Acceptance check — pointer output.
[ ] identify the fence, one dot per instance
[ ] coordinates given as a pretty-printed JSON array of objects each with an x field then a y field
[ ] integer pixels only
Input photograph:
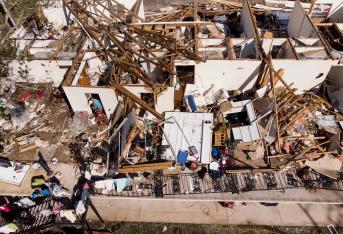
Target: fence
[
  {"x": 32, "y": 219},
  {"x": 178, "y": 184}
]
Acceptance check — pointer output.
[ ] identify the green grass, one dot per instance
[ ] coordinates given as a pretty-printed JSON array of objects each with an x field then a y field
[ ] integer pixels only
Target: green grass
[{"x": 149, "y": 228}]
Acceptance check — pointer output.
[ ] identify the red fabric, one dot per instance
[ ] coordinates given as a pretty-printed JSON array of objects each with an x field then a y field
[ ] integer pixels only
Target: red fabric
[
  {"x": 26, "y": 96},
  {"x": 230, "y": 205},
  {"x": 99, "y": 114},
  {"x": 40, "y": 93}
]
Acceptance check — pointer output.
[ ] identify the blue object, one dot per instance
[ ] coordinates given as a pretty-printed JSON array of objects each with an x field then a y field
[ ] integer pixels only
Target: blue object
[
  {"x": 84, "y": 194},
  {"x": 214, "y": 152},
  {"x": 121, "y": 184},
  {"x": 192, "y": 103},
  {"x": 182, "y": 157},
  {"x": 40, "y": 193},
  {"x": 45, "y": 192},
  {"x": 283, "y": 19},
  {"x": 97, "y": 104},
  {"x": 35, "y": 194}
]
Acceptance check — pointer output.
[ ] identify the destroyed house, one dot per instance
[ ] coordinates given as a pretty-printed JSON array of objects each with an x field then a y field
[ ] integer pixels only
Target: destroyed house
[
  {"x": 211, "y": 97},
  {"x": 215, "y": 58}
]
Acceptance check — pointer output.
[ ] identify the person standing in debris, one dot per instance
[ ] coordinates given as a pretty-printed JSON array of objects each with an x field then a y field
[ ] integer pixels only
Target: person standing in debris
[{"x": 96, "y": 105}]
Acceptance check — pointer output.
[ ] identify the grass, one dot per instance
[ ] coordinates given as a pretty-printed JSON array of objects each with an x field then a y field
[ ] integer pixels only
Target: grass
[{"x": 149, "y": 228}]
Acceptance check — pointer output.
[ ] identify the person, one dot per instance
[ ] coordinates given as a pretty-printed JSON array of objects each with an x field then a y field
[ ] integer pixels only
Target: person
[{"x": 96, "y": 104}]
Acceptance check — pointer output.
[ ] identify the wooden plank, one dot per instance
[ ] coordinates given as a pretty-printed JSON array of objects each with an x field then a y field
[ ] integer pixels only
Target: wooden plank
[
  {"x": 302, "y": 153},
  {"x": 271, "y": 79},
  {"x": 136, "y": 10},
  {"x": 27, "y": 147},
  {"x": 239, "y": 155},
  {"x": 136, "y": 99},
  {"x": 175, "y": 23},
  {"x": 313, "y": 2},
  {"x": 239, "y": 171},
  {"x": 145, "y": 167},
  {"x": 278, "y": 76},
  {"x": 228, "y": 3},
  {"x": 196, "y": 29},
  {"x": 230, "y": 50}
]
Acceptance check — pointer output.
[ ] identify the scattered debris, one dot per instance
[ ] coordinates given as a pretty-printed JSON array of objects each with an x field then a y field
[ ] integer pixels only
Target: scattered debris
[{"x": 135, "y": 101}]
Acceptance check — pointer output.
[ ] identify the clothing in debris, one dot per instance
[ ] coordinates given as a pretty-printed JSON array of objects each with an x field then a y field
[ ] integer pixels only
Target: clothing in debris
[
  {"x": 57, "y": 207},
  {"x": 25, "y": 202},
  {"x": 8, "y": 228},
  {"x": 69, "y": 215},
  {"x": 80, "y": 208},
  {"x": 85, "y": 192},
  {"x": 105, "y": 185},
  {"x": 121, "y": 184}
]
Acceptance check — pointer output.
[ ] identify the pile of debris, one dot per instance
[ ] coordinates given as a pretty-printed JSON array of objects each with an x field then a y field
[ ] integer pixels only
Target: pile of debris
[
  {"x": 270, "y": 126},
  {"x": 209, "y": 89}
]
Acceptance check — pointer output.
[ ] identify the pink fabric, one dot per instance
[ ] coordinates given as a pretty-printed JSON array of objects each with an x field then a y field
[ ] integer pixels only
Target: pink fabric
[
  {"x": 40, "y": 93},
  {"x": 85, "y": 186},
  {"x": 58, "y": 207},
  {"x": 5, "y": 209}
]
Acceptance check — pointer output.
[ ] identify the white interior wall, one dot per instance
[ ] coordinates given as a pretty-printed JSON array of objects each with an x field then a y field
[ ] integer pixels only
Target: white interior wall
[
  {"x": 312, "y": 49},
  {"x": 235, "y": 74},
  {"x": 165, "y": 100},
  {"x": 299, "y": 24},
  {"x": 303, "y": 73},
  {"x": 267, "y": 44},
  {"x": 211, "y": 42},
  {"x": 246, "y": 21},
  {"x": 78, "y": 100},
  {"x": 57, "y": 14},
  {"x": 207, "y": 42},
  {"x": 87, "y": 57},
  {"x": 209, "y": 49},
  {"x": 310, "y": 41},
  {"x": 227, "y": 74},
  {"x": 40, "y": 48},
  {"x": 248, "y": 49},
  {"x": 38, "y": 71}
]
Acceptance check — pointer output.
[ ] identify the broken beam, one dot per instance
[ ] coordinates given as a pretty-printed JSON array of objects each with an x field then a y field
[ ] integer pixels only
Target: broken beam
[
  {"x": 177, "y": 23},
  {"x": 136, "y": 99},
  {"x": 145, "y": 167}
]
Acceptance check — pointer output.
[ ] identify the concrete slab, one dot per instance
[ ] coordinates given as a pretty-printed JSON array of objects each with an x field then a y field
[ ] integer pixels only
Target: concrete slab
[
  {"x": 173, "y": 211},
  {"x": 68, "y": 180}
]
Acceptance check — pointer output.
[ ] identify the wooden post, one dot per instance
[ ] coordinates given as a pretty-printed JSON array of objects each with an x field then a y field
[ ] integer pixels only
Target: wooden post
[
  {"x": 313, "y": 3},
  {"x": 230, "y": 50},
  {"x": 278, "y": 76},
  {"x": 137, "y": 100},
  {"x": 196, "y": 30},
  {"x": 271, "y": 79}
]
